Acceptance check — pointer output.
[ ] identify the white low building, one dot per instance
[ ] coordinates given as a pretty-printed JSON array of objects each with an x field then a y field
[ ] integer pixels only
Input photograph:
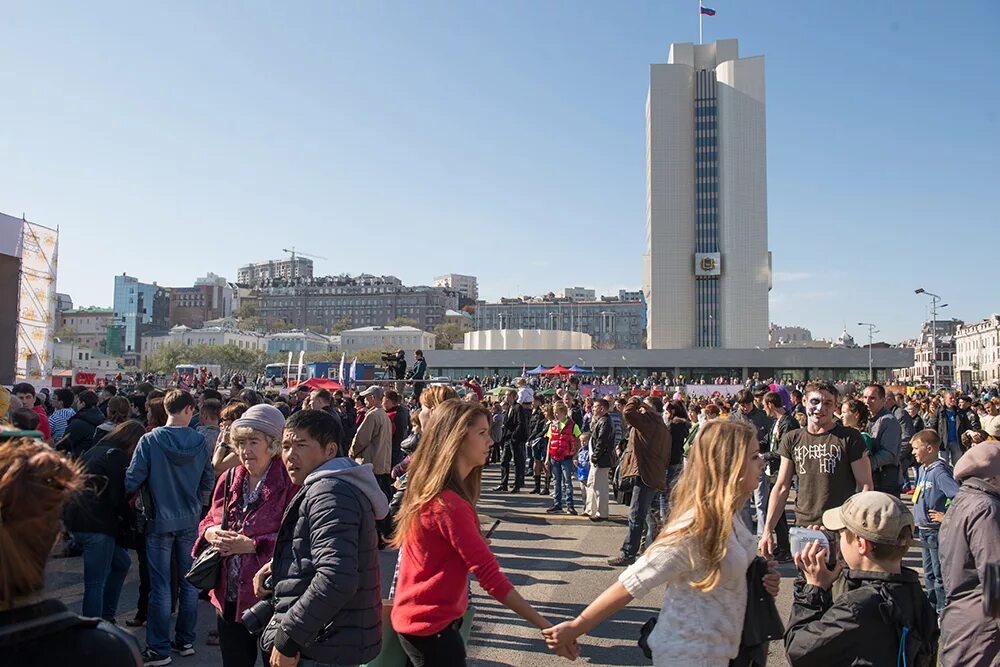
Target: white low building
[
  {"x": 527, "y": 339},
  {"x": 301, "y": 341},
  {"x": 223, "y": 333},
  {"x": 977, "y": 353},
  {"x": 407, "y": 339}
]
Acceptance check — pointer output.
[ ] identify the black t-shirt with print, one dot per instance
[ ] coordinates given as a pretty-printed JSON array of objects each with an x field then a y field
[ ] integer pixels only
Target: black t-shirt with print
[{"x": 823, "y": 464}]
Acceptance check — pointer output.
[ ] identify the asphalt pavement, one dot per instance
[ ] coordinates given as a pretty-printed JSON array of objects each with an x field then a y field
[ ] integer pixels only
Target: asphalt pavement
[{"x": 557, "y": 562}]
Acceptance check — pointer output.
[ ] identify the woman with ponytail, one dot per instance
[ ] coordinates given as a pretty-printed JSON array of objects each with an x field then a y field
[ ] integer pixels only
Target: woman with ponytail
[{"x": 702, "y": 555}]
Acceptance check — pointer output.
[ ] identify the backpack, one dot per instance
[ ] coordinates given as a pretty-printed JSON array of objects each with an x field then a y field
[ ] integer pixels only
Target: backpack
[{"x": 914, "y": 649}]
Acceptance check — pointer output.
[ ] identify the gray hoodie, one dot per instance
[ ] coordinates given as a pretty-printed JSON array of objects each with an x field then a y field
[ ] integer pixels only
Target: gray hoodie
[{"x": 361, "y": 476}]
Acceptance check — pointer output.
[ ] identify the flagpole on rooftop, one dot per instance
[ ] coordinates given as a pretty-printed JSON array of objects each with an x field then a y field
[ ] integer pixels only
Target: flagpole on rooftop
[{"x": 701, "y": 18}]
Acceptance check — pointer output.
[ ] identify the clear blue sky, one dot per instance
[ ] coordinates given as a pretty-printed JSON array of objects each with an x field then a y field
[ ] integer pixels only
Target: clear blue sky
[{"x": 501, "y": 139}]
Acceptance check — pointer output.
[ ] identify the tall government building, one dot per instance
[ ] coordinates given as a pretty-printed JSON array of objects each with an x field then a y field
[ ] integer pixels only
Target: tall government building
[{"x": 707, "y": 268}]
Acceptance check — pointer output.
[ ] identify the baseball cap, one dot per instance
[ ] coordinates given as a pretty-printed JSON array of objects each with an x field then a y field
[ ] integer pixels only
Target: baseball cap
[
  {"x": 873, "y": 515},
  {"x": 372, "y": 391}
]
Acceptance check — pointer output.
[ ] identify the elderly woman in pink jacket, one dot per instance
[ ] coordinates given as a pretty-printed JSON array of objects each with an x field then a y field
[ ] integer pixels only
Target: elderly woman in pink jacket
[{"x": 259, "y": 491}]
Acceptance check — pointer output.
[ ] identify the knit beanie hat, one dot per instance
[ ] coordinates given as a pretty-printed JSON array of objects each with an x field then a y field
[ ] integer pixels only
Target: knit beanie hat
[{"x": 264, "y": 418}]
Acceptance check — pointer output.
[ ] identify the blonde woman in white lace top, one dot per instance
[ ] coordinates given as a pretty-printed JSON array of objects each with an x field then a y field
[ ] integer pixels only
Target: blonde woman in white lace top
[{"x": 701, "y": 556}]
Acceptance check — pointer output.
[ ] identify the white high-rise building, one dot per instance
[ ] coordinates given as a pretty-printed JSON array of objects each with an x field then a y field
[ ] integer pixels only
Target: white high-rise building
[
  {"x": 707, "y": 268},
  {"x": 467, "y": 286}
]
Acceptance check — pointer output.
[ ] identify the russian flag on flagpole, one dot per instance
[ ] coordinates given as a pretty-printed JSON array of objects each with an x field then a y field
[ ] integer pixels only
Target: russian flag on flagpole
[{"x": 707, "y": 11}]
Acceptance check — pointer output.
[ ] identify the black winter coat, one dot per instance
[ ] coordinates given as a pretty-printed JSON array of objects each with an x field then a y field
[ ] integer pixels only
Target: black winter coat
[
  {"x": 325, "y": 571},
  {"x": 679, "y": 429},
  {"x": 854, "y": 630},
  {"x": 515, "y": 425},
  {"x": 80, "y": 431},
  {"x": 602, "y": 442},
  {"x": 101, "y": 507}
]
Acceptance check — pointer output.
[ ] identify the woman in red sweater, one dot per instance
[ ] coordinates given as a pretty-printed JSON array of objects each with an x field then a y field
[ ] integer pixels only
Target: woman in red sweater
[{"x": 439, "y": 539}]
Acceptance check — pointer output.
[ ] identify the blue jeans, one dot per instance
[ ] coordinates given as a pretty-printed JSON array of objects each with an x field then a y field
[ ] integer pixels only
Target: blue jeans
[
  {"x": 932, "y": 569},
  {"x": 638, "y": 511},
  {"x": 159, "y": 549},
  {"x": 563, "y": 474},
  {"x": 761, "y": 495},
  {"x": 105, "y": 565},
  {"x": 673, "y": 474}
]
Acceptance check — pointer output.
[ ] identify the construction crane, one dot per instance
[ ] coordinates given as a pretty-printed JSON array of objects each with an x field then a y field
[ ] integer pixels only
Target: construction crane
[{"x": 293, "y": 253}]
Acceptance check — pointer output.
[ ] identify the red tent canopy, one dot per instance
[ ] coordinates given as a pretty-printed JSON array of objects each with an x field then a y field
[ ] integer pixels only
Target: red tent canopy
[
  {"x": 321, "y": 383},
  {"x": 558, "y": 369}
]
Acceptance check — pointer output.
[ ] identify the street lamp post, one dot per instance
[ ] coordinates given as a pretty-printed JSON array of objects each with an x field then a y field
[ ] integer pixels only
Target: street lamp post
[
  {"x": 934, "y": 306},
  {"x": 871, "y": 332}
]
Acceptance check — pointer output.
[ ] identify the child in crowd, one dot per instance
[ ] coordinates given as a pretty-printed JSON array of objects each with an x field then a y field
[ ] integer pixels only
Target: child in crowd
[
  {"x": 883, "y": 616},
  {"x": 931, "y": 497},
  {"x": 208, "y": 423}
]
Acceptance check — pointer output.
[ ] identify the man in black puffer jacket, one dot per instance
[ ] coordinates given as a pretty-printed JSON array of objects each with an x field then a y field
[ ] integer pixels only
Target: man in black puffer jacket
[{"x": 325, "y": 570}]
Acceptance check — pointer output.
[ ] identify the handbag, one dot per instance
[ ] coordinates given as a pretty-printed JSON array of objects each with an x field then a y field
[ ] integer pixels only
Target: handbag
[{"x": 204, "y": 572}]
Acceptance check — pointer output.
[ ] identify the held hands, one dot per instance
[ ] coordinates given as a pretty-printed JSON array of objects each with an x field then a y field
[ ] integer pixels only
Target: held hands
[
  {"x": 562, "y": 639},
  {"x": 812, "y": 561}
]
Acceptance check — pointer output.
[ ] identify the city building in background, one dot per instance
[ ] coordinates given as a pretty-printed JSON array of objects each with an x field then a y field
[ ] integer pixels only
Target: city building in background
[
  {"x": 610, "y": 322},
  {"x": 262, "y": 273},
  {"x": 577, "y": 294},
  {"x": 87, "y": 327},
  {"x": 707, "y": 269},
  {"x": 301, "y": 341},
  {"x": 323, "y": 304},
  {"x": 779, "y": 336},
  {"x": 459, "y": 317},
  {"x": 924, "y": 347},
  {"x": 210, "y": 298},
  {"x": 527, "y": 339},
  {"x": 220, "y": 332},
  {"x": 63, "y": 302},
  {"x": 466, "y": 286},
  {"x": 977, "y": 354},
  {"x": 406, "y": 338},
  {"x": 138, "y": 308}
]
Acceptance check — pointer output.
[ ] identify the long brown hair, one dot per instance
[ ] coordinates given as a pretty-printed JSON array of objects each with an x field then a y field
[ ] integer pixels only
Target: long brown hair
[
  {"x": 708, "y": 495},
  {"x": 35, "y": 484},
  {"x": 433, "y": 467},
  {"x": 125, "y": 436}
]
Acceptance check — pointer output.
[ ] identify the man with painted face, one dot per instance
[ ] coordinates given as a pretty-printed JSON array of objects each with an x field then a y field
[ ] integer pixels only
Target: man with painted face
[{"x": 829, "y": 458}]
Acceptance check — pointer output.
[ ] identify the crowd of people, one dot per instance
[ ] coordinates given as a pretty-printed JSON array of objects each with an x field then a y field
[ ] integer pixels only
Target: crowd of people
[{"x": 287, "y": 501}]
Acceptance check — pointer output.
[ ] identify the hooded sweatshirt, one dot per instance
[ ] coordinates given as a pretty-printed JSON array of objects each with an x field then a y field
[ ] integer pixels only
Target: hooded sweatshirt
[
  {"x": 327, "y": 594},
  {"x": 178, "y": 467}
]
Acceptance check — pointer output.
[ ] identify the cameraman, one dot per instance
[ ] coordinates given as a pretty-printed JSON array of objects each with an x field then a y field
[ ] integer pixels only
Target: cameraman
[{"x": 327, "y": 599}]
